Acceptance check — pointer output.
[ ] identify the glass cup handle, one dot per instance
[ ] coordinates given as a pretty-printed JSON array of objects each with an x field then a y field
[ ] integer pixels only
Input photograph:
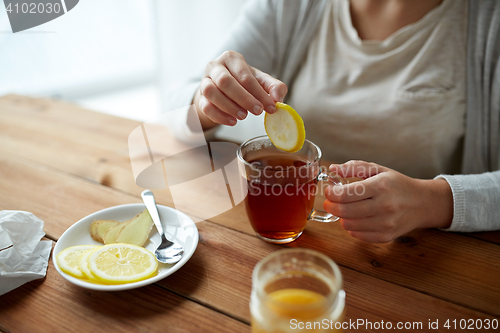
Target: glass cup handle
[{"x": 320, "y": 215}]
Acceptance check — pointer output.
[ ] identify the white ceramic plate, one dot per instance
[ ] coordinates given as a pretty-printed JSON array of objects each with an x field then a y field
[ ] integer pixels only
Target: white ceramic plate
[{"x": 177, "y": 225}]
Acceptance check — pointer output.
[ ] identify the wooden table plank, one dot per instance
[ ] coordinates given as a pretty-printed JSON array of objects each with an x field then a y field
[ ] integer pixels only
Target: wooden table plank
[
  {"x": 63, "y": 136},
  {"x": 55, "y": 305},
  {"x": 450, "y": 266},
  {"x": 84, "y": 143},
  {"x": 56, "y": 155},
  {"x": 224, "y": 255},
  {"x": 425, "y": 260},
  {"x": 57, "y": 198},
  {"x": 462, "y": 270}
]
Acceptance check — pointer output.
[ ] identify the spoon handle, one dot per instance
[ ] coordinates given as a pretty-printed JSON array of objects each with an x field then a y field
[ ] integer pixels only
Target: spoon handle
[{"x": 149, "y": 201}]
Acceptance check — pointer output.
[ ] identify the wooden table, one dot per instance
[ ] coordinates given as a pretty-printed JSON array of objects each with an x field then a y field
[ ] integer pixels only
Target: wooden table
[{"x": 61, "y": 163}]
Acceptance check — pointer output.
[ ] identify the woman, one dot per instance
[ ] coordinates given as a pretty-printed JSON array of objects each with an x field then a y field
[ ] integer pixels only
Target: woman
[{"x": 377, "y": 80}]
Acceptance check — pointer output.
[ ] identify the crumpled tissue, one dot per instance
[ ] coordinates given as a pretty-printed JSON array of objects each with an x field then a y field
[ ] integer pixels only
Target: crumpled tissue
[{"x": 23, "y": 256}]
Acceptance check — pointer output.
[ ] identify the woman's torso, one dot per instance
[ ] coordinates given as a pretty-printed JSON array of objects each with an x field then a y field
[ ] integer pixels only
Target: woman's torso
[{"x": 399, "y": 102}]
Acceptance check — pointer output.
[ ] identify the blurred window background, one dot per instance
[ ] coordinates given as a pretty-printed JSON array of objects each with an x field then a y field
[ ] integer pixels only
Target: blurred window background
[{"x": 117, "y": 56}]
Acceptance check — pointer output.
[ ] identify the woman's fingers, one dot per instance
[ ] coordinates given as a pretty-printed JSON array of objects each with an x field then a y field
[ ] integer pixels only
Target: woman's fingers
[
  {"x": 352, "y": 192},
  {"x": 245, "y": 76},
  {"x": 361, "y": 224},
  {"x": 215, "y": 114},
  {"x": 275, "y": 88},
  {"x": 352, "y": 210},
  {"x": 212, "y": 93},
  {"x": 230, "y": 87},
  {"x": 359, "y": 169},
  {"x": 387, "y": 204}
]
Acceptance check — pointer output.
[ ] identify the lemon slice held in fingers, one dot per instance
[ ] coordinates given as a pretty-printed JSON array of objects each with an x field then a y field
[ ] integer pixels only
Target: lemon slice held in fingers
[{"x": 285, "y": 128}]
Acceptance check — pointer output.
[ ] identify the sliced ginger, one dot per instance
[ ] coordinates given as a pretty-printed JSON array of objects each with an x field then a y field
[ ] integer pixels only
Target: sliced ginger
[
  {"x": 134, "y": 231},
  {"x": 112, "y": 233},
  {"x": 99, "y": 227}
]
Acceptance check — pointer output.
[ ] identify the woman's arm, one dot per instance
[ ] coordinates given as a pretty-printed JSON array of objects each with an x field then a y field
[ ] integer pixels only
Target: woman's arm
[
  {"x": 388, "y": 204},
  {"x": 253, "y": 36},
  {"x": 230, "y": 88},
  {"x": 476, "y": 201}
]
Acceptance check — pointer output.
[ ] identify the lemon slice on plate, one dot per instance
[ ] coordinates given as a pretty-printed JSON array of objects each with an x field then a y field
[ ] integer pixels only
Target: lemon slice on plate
[
  {"x": 69, "y": 259},
  {"x": 84, "y": 264},
  {"x": 285, "y": 128},
  {"x": 122, "y": 263}
]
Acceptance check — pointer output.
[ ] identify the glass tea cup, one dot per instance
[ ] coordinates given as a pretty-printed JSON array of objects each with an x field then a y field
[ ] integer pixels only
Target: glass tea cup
[
  {"x": 281, "y": 188},
  {"x": 294, "y": 289}
]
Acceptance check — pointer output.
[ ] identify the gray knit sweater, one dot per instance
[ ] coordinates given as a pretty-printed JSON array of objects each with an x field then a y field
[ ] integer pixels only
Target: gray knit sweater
[{"x": 273, "y": 35}]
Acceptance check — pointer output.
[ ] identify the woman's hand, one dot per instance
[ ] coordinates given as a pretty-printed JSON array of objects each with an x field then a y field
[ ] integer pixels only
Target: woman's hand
[
  {"x": 387, "y": 204},
  {"x": 230, "y": 88}
]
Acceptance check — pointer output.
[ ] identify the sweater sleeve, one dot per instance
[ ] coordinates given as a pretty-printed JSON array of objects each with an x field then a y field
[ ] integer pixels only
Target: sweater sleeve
[
  {"x": 253, "y": 36},
  {"x": 476, "y": 201}
]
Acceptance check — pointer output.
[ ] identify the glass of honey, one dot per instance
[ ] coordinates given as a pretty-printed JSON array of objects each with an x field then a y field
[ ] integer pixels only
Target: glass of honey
[
  {"x": 281, "y": 188},
  {"x": 297, "y": 290}
]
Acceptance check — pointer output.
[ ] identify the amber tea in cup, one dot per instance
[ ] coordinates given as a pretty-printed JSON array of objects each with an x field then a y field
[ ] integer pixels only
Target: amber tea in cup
[{"x": 281, "y": 188}]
